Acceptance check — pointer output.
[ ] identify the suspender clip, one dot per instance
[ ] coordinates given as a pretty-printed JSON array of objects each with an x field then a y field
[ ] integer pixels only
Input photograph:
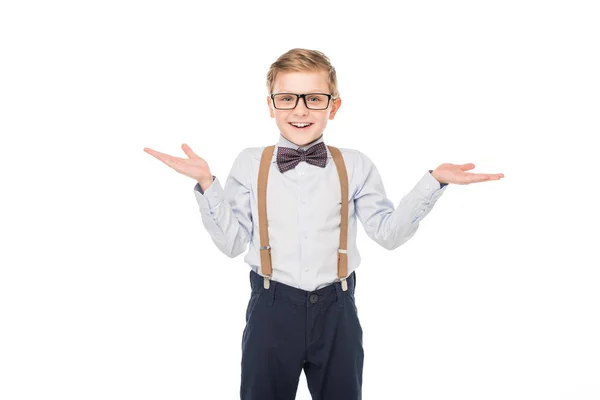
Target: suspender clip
[
  {"x": 267, "y": 282},
  {"x": 343, "y": 280},
  {"x": 344, "y": 284}
]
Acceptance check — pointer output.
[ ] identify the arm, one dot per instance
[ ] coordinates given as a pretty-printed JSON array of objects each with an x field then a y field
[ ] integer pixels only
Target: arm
[
  {"x": 226, "y": 214},
  {"x": 388, "y": 226}
]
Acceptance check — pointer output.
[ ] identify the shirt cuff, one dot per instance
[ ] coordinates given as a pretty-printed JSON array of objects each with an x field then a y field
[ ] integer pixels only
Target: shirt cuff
[
  {"x": 211, "y": 197},
  {"x": 430, "y": 187},
  {"x": 441, "y": 184}
]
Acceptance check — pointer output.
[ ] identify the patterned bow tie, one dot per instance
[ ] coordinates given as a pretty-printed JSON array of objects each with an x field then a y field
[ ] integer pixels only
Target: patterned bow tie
[{"x": 288, "y": 158}]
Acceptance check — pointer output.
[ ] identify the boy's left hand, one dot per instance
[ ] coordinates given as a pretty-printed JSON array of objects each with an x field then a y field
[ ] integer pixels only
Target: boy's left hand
[{"x": 455, "y": 173}]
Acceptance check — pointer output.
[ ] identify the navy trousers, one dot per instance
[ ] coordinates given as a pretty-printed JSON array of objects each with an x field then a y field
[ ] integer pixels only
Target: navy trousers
[{"x": 289, "y": 330}]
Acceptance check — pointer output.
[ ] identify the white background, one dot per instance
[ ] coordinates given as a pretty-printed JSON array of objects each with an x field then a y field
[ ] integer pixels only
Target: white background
[{"x": 110, "y": 288}]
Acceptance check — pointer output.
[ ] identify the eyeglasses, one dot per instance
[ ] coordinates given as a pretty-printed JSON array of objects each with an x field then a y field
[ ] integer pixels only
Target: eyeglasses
[{"x": 312, "y": 101}]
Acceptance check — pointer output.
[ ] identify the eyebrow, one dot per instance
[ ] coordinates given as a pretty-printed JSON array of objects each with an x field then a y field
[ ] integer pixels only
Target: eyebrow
[{"x": 312, "y": 91}]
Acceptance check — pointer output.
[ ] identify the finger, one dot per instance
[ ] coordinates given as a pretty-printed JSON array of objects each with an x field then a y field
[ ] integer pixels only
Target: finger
[
  {"x": 156, "y": 154},
  {"x": 152, "y": 152},
  {"x": 470, "y": 177},
  {"x": 188, "y": 151},
  {"x": 466, "y": 167},
  {"x": 166, "y": 158},
  {"x": 492, "y": 176},
  {"x": 485, "y": 177}
]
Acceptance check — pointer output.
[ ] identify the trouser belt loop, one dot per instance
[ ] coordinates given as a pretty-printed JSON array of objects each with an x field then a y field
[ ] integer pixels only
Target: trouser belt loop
[
  {"x": 271, "y": 293},
  {"x": 340, "y": 295}
]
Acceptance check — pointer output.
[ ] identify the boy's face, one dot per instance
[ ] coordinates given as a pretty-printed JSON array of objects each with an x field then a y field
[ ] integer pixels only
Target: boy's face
[{"x": 302, "y": 83}]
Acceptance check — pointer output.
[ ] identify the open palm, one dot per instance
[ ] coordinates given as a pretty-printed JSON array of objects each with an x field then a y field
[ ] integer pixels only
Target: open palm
[
  {"x": 195, "y": 166},
  {"x": 457, "y": 174}
]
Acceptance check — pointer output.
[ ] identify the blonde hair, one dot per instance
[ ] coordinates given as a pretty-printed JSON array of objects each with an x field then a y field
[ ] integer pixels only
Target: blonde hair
[{"x": 301, "y": 60}]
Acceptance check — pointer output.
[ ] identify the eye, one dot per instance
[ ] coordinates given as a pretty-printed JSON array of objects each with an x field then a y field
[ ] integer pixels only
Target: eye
[{"x": 316, "y": 98}]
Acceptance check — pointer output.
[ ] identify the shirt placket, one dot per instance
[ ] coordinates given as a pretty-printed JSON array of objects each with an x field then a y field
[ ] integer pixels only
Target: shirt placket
[{"x": 303, "y": 214}]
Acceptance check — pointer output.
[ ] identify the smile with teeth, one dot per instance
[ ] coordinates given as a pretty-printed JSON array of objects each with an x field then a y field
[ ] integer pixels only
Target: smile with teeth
[{"x": 300, "y": 125}]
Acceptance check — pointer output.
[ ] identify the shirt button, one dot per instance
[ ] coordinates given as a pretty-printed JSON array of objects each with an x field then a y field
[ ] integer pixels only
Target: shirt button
[
  {"x": 306, "y": 269},
  {"x": 313, "y": 298},
  {"x": 301, "y": 173},
  {"x": 303, "y": 202}
]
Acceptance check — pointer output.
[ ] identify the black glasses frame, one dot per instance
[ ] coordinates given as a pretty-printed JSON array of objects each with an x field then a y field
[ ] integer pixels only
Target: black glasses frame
[{"x": 298, "y": 96}]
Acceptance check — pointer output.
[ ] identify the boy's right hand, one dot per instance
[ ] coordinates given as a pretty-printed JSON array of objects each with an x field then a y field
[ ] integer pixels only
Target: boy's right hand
[{"x": 195, "y": 166}]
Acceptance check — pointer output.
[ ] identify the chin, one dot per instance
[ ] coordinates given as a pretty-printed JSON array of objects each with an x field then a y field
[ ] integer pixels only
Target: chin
[{"x": 301, "y": 139}]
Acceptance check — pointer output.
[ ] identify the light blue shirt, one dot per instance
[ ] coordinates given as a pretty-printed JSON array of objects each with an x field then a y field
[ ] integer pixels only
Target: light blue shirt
[{"x": 303, "y": 213}]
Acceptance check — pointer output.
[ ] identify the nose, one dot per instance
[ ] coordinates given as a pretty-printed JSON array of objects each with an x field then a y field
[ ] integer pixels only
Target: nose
[{"x": 301, "y": 108}]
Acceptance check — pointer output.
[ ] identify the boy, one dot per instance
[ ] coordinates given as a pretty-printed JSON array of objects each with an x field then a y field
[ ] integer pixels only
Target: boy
[{"x": 297, "y": 204}]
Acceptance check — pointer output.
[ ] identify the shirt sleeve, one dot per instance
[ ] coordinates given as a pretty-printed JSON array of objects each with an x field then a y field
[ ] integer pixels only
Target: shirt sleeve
[
  {"x": 441, "y": 184},
  {"x": 226, "y": 213},
  {"x": 388, "y": 226}
]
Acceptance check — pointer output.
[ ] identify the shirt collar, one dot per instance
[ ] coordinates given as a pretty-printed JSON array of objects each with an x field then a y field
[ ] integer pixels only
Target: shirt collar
[{"x": 283, "y": 142}]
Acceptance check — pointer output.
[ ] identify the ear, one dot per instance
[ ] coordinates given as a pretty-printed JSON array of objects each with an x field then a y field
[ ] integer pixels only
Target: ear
[
  {"x": 337, "y": 103},
  {"x": 269, "y": 103}
]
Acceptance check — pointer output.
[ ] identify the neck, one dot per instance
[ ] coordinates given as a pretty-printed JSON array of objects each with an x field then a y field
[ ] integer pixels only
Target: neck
[{"x": 306, "y": 144}]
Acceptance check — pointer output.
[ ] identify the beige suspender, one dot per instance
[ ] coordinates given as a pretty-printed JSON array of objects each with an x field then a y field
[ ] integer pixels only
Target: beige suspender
[
  {"x": 265, "y": 249},
  {"x": 343, "y": 249}
]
